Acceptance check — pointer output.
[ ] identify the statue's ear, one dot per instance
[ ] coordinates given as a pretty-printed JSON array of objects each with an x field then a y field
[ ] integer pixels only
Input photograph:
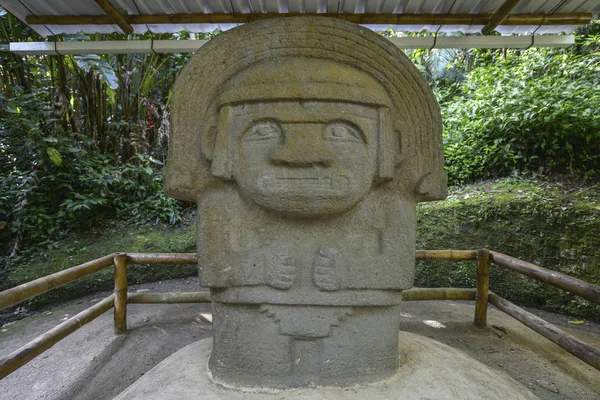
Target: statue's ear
[
  {"x": 433, "y": 186},
  {"x": 208, "y": 142},
  {"x": 222, "y": 149},
  {"x": 387, "y": 147}
]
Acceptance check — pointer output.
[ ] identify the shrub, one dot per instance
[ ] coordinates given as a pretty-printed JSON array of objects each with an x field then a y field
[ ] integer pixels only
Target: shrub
[{"x": 538, "y": 111}]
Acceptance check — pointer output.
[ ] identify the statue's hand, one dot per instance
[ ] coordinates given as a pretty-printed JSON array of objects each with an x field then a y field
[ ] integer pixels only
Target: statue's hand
[
  {"x": 281, "y": 270},
  {"x": 327, "y": 269}
]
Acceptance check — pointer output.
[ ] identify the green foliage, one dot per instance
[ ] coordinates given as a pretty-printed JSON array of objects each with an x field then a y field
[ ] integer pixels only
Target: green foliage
[
  {"x": 53, "y": 182},
  {"x": 550, "y": 225},
  {"x": 509, "y": 111},
  {"x": 538, "y": 111},
  {"x": 93, "y": 62},
  {"x": 82, "y": 139}
]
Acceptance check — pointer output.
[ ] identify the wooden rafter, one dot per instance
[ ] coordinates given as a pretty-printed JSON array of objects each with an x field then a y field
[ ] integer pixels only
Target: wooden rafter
[
  {"x": 502, "y": 13},
  {"x": 372, "y": 19},
  {"x": 115, "y": 16}
]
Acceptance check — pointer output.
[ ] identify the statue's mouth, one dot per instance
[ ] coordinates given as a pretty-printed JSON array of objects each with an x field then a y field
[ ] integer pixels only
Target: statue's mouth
[{"x": 299, "y": 185}]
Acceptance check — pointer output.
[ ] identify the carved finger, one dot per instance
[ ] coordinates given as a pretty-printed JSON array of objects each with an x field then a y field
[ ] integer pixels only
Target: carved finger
[
  {"x": 289, "y": 261},
  {"x": 286, "y": 270},
  {"x": 328, "y": 253},
  {"x": 324, "y": 271},
  {"x": 323, "y": 261}
]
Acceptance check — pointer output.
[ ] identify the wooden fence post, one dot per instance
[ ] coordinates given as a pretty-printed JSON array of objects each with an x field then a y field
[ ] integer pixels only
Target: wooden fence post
[
  {"x": 120, "y": 312},
  {"x": 483, "y": 287}
]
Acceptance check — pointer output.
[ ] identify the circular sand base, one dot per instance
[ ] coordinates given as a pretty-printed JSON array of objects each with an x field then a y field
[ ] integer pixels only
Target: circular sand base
[{"x": 429, "y": 370}]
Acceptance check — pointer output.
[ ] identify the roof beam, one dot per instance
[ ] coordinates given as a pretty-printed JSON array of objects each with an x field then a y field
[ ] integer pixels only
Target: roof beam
[
  {"x": 115, "y": 16},
  {"x": 502, "y": 13},
  {"x": 367, "y": 19}
]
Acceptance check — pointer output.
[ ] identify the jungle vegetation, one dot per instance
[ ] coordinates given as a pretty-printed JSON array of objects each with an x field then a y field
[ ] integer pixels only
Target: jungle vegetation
[{"x": 83, "y": 138}]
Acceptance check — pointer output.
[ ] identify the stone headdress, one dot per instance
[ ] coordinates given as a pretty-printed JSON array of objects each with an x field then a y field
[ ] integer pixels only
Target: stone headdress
[{"x": 206, "y": 83}]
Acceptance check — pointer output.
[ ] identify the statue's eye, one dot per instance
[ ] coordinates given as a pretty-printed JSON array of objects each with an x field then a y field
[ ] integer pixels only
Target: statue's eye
[
  {"x": 342, "y": 132},
  {"x": 263, "y": 131}
]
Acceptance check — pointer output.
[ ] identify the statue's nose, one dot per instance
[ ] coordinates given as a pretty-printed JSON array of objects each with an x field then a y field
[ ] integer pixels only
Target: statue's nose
[{"x": 303, "y": 148}]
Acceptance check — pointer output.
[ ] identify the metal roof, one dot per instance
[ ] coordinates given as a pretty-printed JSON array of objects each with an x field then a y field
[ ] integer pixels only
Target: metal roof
[{"x": 26, "y": 8}]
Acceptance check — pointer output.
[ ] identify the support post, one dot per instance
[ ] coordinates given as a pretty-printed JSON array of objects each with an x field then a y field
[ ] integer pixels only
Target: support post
[
  {"x": 120, "y": 314},
  {"x": 483, "y": 287}
]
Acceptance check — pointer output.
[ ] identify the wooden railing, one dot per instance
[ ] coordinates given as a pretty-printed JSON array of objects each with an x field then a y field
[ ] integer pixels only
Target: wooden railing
[{"x": 120, "y": 298}]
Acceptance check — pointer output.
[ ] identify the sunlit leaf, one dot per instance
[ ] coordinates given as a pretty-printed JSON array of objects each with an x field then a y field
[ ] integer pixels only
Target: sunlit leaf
[
  {"x": 93, "y": 62},
  {"x": 54, "y": 155}
]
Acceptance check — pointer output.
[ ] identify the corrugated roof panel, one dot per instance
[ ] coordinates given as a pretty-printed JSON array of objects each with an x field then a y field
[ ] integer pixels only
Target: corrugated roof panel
[
  {"x": 23, "y": 8},
  {"x": 491, "y": 7},
  {"x": 467, "y": 7},
  {"x": 63, "y": 7},
  {"x": 267, "y": 5},
  {"x": 581, "y": 6},
  {"x": 126, "y": 6},
  {"x": 16, "y": 8}
]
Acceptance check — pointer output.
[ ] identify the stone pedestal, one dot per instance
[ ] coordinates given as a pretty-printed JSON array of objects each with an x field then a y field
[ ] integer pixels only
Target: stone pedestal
[{"x": 428, "y": 370}]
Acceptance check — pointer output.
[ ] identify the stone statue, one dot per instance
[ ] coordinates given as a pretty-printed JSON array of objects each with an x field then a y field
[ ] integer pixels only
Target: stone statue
[{"x": 306, "y": 143}]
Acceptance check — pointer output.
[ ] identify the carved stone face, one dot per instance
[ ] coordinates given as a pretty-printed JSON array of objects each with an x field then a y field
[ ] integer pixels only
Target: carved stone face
[{"x": 306, "y": 158}]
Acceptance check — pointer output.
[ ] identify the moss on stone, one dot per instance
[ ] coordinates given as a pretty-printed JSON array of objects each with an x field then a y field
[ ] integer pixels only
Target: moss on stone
[{"x": 546, "y": 224}]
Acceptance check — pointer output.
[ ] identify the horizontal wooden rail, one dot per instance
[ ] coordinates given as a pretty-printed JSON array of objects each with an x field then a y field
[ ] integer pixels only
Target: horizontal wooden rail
[
  {"x": 37, "y": 346},
  {"x": 192, "y": 258},
  {"x": 415, "y": 294},
  {"x": 17, "y": 294},
  {"x": 168, "y": 298},
  {"x": 570, "y": 343},
  {"x": 162, "y": 258},
  {"x": 446, "y": 255},
  {"x": 372, "y": 19},
  {"x": 576, "y": 286},
  {"x": 419, "y": 294},
  {"x": 23, "y": 292}
]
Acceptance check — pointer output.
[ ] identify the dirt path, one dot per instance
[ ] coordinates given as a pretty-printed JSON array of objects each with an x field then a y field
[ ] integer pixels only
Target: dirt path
[{"x": 95, "y": 364}]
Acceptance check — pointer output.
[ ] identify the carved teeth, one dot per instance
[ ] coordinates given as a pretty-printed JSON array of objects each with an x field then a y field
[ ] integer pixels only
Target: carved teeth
[{"x": 321, "y": 185}]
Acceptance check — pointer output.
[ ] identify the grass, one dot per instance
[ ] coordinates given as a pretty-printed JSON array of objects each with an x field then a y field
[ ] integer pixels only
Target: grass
[{"x": 78, "y": 250}]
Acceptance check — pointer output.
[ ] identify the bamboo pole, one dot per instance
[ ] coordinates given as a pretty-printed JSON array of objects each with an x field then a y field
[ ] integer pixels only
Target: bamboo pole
[
  {"x": 446, "y": 255},
  {"x": 169, "y": 298},
  {"x": 115, "y": 16},
  {"x": 579, "y": 349},
  {"x": 371, "y": 19},
  {"x": 10, "y": 297},
  {"x": 26, "y": 353},
  {"x": 120, "y": 312},
  {"x": 162, "y": 258},
  {"x": 483, "y": 287},
  {"x": 419, "y": 294},
  {"x": 499, "y": 17},
  {"x": 581, "y": 288}
]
